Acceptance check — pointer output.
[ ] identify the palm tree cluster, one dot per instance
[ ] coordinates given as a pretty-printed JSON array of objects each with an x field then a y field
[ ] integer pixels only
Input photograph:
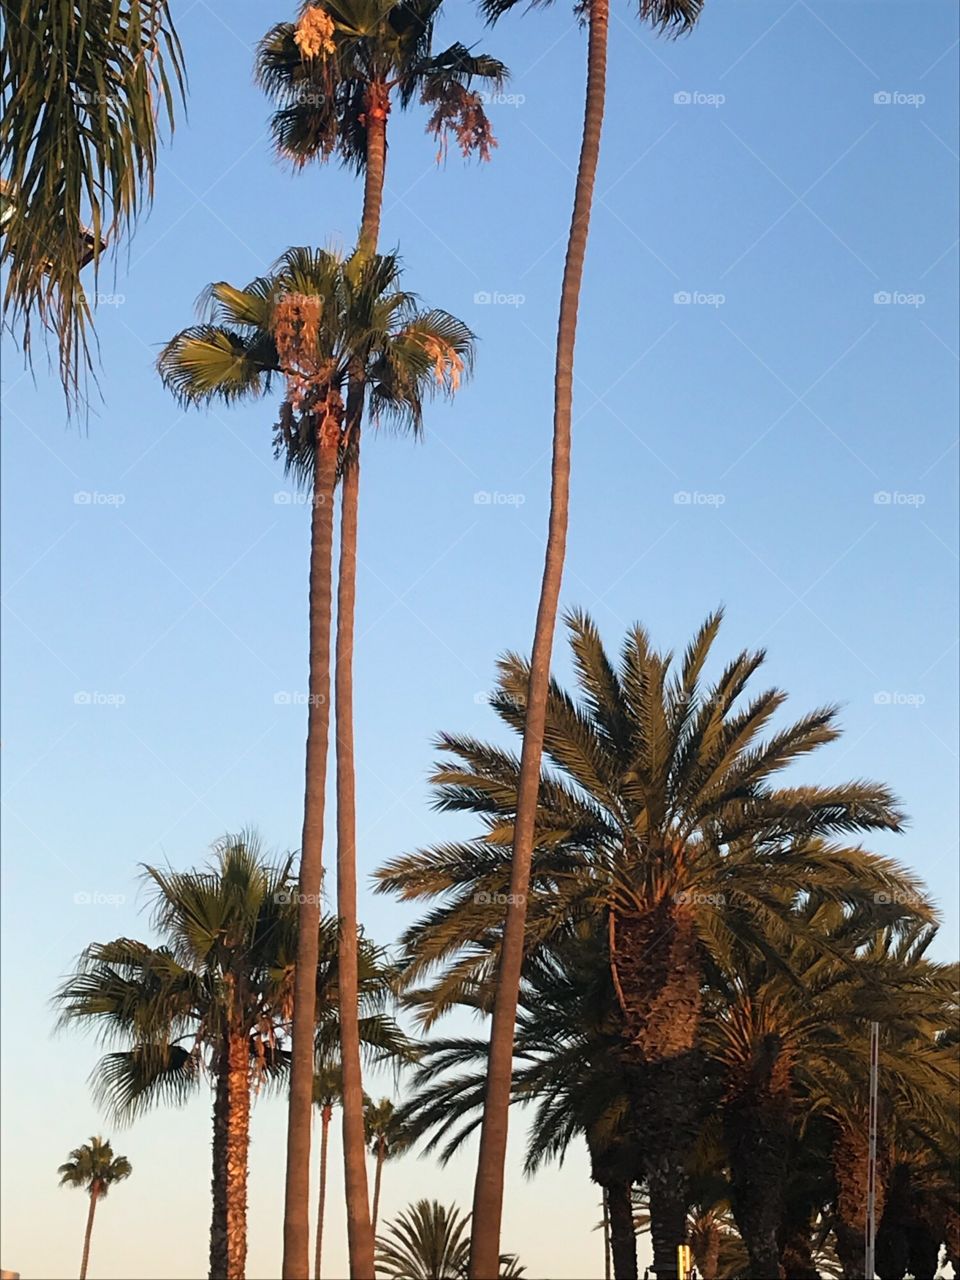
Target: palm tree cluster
[{"x": 680, "y": 952}]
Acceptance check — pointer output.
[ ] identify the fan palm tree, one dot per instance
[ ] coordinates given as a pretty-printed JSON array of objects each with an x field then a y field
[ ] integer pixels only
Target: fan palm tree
[
  {"x": 95, "y": 1169},
  {"x": 387, "y": 1136},
  {"x": 214, "y": 1001},
  {"x": 327, "y": 1092},
  {"x": 664, "y": 820},
  {"x": 333, "y": 75},
  {"x": 82, "y": 89},
  {"x": 340, "y": 333},
  {"x": 429, "y": 1242},
  {"x": 664, "y": 15}
]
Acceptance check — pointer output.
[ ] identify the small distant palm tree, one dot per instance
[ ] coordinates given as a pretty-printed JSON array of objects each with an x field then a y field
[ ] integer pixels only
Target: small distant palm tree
[
  {"x": 388, "y": 1136},
  {"x": 95, "y": 1169},
  {"x": 327, "y": 1092},
  {"x": 430, "y": 1241}
]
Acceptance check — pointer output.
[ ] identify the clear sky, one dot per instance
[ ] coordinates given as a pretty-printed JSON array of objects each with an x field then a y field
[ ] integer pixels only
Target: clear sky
[{"x": 149, "y": 630}]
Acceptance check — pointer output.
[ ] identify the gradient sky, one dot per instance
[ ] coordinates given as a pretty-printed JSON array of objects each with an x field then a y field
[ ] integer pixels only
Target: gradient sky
[{"x": 149, "y": 630}]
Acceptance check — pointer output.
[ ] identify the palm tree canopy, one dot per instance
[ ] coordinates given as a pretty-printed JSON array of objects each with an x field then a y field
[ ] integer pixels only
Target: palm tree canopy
[
  {"x": 660, "y": 792},
  {"x": 94, "y": 1168},
  {"x": 319, "y": 321},
  {"x": 387, "y": 1133},
  {"x": 675, "y": 17},
  {"x": 320, "y": 70},
  {"x": 226, "y": 967},
  {"x": 429, "y": 1241},
  {"x": 82, "y": 90}
]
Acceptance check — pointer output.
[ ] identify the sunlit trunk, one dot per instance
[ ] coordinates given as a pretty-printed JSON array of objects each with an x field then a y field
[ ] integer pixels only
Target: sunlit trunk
[
  {"x": 94, "y": 1196},
  {"x": 488, "y": 1188},
  {"x": 326, "y": 1114}
]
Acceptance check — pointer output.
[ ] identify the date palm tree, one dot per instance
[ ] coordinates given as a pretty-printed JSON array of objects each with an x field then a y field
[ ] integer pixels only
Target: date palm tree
[
  {"x": 387, "y": 1136},
  {"x": 94, "y": 1169},
  {"x": 82, "y": 92},
  {"x": 664, "y": 15},
  {"x": 428, "y": 1241},
  {"x": 333, "y": 75},
  {"x": 214, "y": 1002},
  {"x": 345, "y": 336},
  {"x": 662, "y": 818}
]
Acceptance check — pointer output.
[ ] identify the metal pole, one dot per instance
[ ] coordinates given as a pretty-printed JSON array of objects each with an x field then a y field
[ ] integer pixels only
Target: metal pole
[
  {"x": 606, "y": 1235},
  {"x": 871, "y": 1229}
]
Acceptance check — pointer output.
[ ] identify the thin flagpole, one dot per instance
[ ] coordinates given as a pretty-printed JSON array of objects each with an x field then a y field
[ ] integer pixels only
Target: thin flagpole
[
  {"x": 606, "y": 1236},
  {"x": 871, "y": 1229}
]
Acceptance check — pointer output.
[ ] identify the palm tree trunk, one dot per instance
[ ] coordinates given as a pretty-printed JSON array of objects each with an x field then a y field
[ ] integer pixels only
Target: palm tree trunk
[
  {"x": 325, "y": 1117},
  {"x": 488, "y": 1189},
  {"x": 850, "y": 1158},
  {"x": 757, "y": 1127},
  {"x": 94, "y": 1194},
  {"x": 359, "y": 1231},
  {"x": 623, "y": 1238},
  {"x": 376, "y": 1186},
  {"x": 667, "y": 1183},
  {"x": 377, "y": 110},
  {"x": 296, "y": 1218},
  {"x": 218, "y": 1182},
  {"x": 237, "y": 1153}
]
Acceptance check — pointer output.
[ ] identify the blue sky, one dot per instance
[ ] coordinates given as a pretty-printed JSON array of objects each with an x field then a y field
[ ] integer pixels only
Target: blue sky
[{"x": 783, "y": 442}]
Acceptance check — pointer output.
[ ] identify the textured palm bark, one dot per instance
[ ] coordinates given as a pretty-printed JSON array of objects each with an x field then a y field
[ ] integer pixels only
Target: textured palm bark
[
  {"x": 94, "y": 1196},
  {"x": 296, "y": 1220},
  {"x": 326, "y": 1114},
  {"x": 623, "y": 1238},
  {"x": 359, "y": 1227},
  {"x": 796, "y": 1252},
  {"x": 487, "y": 1210},
  {"x": 377, "y": 108},
  {"x": 381, "y": 1156},
  {"x": 758, "y": 1130},
  {"x": 237, "y": 1153},
  {"x": 850, "y": 1159},
  {"x": 218, "y": 1181}
]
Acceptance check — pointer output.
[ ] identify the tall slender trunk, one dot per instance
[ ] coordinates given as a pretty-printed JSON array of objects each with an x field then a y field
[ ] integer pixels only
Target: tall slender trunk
[
  {"x": 488, "y": 1189},
  {"x": 377, "y": 108},
  {"x": 296, "y": 1218},
  {"x": 359, "y": 1230},
  {"x": 218, "y": 1182},
  {"x": 381, "y": 1150},
  {"x": 606, "y": 1234},
  {"x": 94, "y": 1196},
  {"x": 237, "y": 1152},
  {"x": 623, "y": 1237},
  {"x": 326, "y": 1115}
]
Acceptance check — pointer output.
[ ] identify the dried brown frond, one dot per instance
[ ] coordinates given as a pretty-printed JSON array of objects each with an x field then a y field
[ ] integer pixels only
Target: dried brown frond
[
  {"x": 314, "y": 33},
  {"x": 459, "y": 112}
]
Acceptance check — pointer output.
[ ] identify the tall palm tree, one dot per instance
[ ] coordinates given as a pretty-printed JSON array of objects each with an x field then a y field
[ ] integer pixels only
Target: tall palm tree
[
  {"x": 333, "y": 75},
  {"x": 82, "y": 90},
  {"x": 664, "y": 821},
  {"x": 95, "y": 1169},
  {"x": 678, "y": 15},
  {"x": 327, "y": 1092},
  {"x": 340, "y": 333},
  {"x": 214, "y": 1002},
  {"x": 428, "y": 1241},
  {"x": 387, "y": 1136}
]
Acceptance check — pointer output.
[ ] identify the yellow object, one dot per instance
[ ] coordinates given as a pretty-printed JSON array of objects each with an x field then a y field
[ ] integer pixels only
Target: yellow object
[{"x": 684, "y": 1261}]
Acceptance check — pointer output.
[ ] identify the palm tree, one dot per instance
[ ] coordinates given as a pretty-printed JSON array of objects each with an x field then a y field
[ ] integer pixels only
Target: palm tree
[
  {"x": 663, "y": 820},
  {"x": 387, "y": 1136},
  {"x": 83, "y": 88},
  {"x": 338, "y": 332},
  {"x": 327, "y": 1092},
  {"x": 333, "y": 75},
  {"x": 679, "y": 15},
  {"x": 429, "y": 1242},
  {"x": 214, "y": 1002},
  {"x": 94, "y": 1168}
]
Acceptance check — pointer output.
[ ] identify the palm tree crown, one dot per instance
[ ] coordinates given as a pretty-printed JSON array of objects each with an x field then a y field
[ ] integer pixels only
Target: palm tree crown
[{"x": 94, "y": 1168}]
